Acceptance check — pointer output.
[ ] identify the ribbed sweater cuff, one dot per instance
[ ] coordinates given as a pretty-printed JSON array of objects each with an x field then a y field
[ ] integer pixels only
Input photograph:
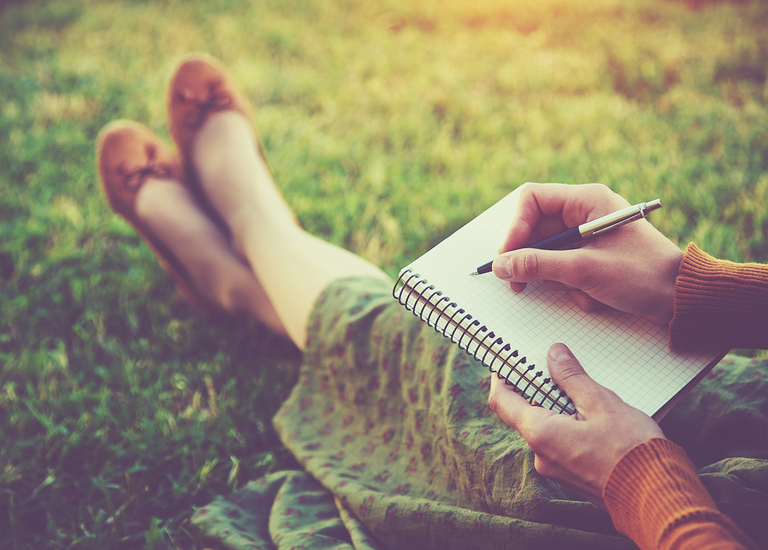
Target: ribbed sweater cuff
[
  {"x": 719, "y": 304},
  {"x": 653, "y": 488}
]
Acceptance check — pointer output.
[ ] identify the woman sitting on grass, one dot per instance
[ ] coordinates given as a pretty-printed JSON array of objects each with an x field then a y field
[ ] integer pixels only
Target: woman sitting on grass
[{"x": 390, "y": 420}]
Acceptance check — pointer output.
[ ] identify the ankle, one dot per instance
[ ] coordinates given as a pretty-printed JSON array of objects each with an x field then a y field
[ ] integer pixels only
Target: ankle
[
  {"x": 224, "y": 135},
  {"x": 236, "y": 178}
]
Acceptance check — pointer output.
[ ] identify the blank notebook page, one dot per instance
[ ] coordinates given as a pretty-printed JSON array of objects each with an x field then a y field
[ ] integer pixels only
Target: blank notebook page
[{"x": 624, "y": 352}]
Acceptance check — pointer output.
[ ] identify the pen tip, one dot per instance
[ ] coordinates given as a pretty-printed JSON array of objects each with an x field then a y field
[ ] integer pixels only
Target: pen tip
[{"x": 474, "y": 273}]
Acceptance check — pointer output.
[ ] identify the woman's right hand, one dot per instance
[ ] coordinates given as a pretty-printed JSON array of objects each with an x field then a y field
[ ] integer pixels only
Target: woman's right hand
[{"x": 632, "y": 268}]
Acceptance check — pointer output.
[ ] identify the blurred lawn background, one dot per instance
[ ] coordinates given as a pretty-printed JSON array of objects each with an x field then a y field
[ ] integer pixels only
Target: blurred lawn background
[{"x": 388, "y": 125}]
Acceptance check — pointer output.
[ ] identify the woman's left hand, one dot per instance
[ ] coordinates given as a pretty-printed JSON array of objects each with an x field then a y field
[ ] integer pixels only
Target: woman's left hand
[{"x": 580, "y": 451}]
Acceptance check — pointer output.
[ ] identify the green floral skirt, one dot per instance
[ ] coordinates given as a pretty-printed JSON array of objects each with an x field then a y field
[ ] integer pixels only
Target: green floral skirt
[{"x": 400, "y": 449}]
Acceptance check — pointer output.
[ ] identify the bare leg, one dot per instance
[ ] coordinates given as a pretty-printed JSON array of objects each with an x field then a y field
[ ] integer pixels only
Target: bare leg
[
  {"x": 292, "y": 266},
  {"x": 169, "y": 210}
]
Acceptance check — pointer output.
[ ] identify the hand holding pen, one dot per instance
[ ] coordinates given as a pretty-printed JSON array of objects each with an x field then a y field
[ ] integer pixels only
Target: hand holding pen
[
  {"x": 632, "y": 268},
  {"x": 586, "y": 230}
]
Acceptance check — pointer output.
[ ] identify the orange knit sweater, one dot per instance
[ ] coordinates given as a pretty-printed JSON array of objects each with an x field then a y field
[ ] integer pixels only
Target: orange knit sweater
[
  {"x": 653, "y": 493},
  {"x": 655, "y": 498},
  {"x": 719, "y": 305}
]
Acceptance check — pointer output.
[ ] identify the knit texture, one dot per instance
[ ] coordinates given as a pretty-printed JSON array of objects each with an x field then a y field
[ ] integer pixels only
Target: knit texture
[
  {"x": 655, "y": 497},
  {"x": 719, "y": 304}
]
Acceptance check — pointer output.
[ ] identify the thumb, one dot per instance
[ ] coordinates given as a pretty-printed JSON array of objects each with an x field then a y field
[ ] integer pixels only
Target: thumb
[
  {"x": 568, "y": 374},
  {"x": 529, "y": 264}
]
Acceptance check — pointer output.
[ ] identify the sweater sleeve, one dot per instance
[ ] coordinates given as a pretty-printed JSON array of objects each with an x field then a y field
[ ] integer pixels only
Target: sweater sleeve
[
  {"x": 719, "y": 304},
  {"x": 655, "y": 497}
]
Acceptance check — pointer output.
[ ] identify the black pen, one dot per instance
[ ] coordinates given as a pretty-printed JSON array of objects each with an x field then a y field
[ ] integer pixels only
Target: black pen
[{"x": 589, "y": 229}]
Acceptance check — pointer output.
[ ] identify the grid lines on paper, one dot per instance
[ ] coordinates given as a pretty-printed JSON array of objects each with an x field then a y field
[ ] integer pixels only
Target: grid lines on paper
[{"x": 626, "y": 353}]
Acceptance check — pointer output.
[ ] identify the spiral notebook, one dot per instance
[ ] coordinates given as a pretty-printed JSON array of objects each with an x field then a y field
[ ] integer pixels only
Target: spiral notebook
[{"x": 510, "y": 332}]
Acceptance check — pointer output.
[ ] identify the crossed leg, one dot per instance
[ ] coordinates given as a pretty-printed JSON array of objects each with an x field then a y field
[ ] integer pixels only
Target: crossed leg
[
  {"x": 172, "y": 215},
  {"x": 292, "y": 266}
]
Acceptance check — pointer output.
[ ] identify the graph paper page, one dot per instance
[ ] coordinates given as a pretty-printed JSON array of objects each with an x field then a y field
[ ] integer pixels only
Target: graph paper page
[{"x": 623, "y": 352}]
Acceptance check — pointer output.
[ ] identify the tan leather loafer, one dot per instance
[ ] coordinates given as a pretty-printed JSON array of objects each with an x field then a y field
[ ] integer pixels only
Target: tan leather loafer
[
  {"x": 127, "y": 155},
  {"x": 200, "y": 86}
]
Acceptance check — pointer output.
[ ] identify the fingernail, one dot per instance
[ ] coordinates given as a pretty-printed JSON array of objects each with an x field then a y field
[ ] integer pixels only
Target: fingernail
[
  {"x": 560, "y": 352},
  {"x": 502, "y": 265}
]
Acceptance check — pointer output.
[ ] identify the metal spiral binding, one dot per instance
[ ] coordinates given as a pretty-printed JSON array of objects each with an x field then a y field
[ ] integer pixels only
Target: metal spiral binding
[{"x": 424, "y": 301}]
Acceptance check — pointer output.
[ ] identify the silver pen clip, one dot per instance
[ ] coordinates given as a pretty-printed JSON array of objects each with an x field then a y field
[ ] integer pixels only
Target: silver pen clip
[{"x": 617, "y": 219}]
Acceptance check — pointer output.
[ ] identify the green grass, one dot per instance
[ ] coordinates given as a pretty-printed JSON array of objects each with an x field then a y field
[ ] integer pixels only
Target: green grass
[{"x": 388, "y": 125}]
